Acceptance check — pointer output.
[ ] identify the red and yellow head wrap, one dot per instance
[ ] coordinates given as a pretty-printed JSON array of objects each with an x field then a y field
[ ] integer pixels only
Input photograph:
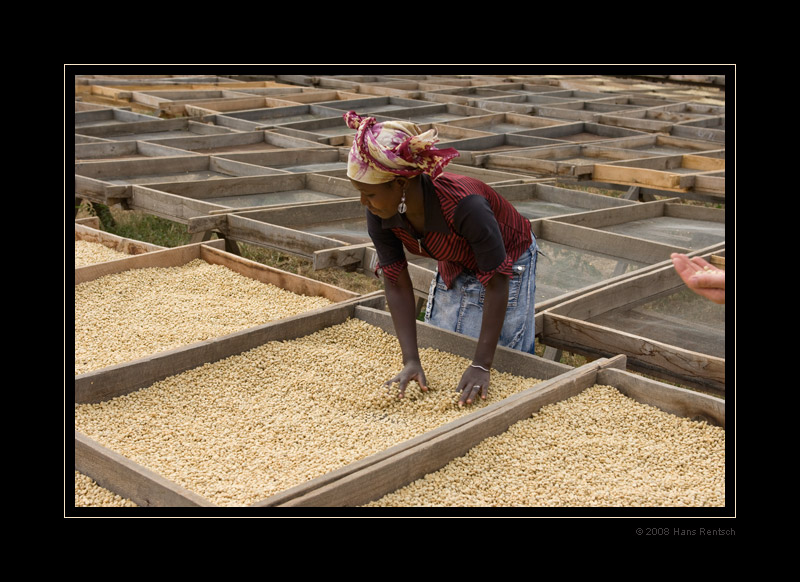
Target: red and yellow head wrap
[{"x": 382, "y": 151}]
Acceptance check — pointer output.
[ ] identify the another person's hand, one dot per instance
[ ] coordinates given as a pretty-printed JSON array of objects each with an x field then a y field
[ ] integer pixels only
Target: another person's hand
[
  {"x": 701, "y": 277},
  {"x": 474, "y": 383},
  {"x": 411, "y": 371}
]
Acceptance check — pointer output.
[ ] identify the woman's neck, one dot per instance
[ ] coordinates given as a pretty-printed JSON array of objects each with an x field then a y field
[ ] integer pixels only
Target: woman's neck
[{"x": 415, "y": 212}]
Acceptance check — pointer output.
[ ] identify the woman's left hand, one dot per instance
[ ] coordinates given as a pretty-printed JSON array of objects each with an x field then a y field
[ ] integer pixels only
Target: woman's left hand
[{"x": 474, "y": 382}]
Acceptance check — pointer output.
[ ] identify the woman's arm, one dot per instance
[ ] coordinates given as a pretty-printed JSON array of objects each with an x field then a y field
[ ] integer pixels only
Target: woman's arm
[
  {"x": 475, "y": 380},
  {"x": 403, "y": 306}
]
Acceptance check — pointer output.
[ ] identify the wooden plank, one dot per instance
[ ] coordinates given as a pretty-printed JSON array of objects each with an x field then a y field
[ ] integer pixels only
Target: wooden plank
[
  {"x": 212, "y": 252},
  {"x": 130, "y": 480},
  {"x": 116, "y": 169},
  {"x": 99, "y": 191},
  {"x": 340, "y": 256},
  {"x": 289, "y": 240},
  {"x": 160, "y": 258},
  {"x": 703, "y": 163},
  {"x": 637, "y": 176},
  {"x": 712, "y": 183},
  {"x": 609, "y": 243},
  {"x": 175, "y": 207},
  {"x": 112, "y": 241},
  {"x": 673, "y": 399},
  {"x": 610, "y": 216},
  {"x": 659, "y": 279},
  {"x": 644, "y": 354},
  {"x": 673, "y": 173},
  {"x": 116, "y": 380},
  {"x": 693, "y": 212}
]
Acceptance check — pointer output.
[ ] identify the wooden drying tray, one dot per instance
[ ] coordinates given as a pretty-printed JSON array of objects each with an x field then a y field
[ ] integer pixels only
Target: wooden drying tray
[
  {"x": 565, "y": 326},
  {"x": 383, "y": 473},
  {"x": 681, "y": 173},
  {"x": 144, "y": 487},
  {"x": 120, "y": 379},
  {"x": 85, "y": 232},
  {"x": 109, "y": 182},
  {"x": 573, "y": 160}
]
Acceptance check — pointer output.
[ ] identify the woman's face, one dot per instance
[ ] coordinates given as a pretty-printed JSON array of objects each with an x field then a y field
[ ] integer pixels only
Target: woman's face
[{"x": 380, "y": 199}]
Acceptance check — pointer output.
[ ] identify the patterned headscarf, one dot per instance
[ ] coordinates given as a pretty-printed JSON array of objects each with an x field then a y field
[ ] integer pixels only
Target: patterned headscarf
[{"x": 383, "y": 151}]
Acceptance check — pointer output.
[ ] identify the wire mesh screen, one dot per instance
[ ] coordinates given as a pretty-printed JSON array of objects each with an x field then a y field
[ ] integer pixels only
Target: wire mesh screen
[
  {"x": 561, "y": 269},
  {"x": 679, "y": 318},
  {"x": 680, "y": 232}
]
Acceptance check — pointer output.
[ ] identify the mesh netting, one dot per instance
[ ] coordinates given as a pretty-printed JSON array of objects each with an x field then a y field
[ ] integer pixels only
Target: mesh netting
[
  {"x": 541, "y": 208},
  {"x": 680, "y": 318},
  {"x": 561, "y": 269},
  {"x": 271, "y": 198},
  {"x": 680, "y": 232}
]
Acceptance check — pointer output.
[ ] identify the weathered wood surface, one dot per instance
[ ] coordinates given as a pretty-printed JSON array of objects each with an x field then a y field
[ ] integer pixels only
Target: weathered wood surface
[
  {"x": 129, "y": 479},
  {"x": 668, "y": 362},
  {"x": 576, "y": 160},
  {"x": 670, "y": 207},
  {"x": 665, "y": 144},
  {"x": 187, "y": 200},
  {"x": 673, "y": 399},
  {"x": 567, "y": 326},
  {"x": 110, "y": 150},
  {"x": 670, "y": 173},
  {"x": 112, "y": 241},
  {"x": 101, "y": 121},
  {"x": 239, "y": 141},
  {"x": 581, "y": 132},
  {"x": 149, "y": 125}
]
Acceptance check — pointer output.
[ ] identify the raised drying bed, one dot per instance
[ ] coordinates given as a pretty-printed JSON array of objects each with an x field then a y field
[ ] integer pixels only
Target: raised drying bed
[
  {"x": 500, "y": 123},
  {"x": 103, "y": 120},
  {"x": 240, "y": 141},
  {"x": 123, "y": 150},
  {"x": 271, "y": 117},
  {"x": 685, "y": 227},
  {"x": 92, "y": 234},
  {"x": 371, "y": 479},
  {"x": 92, "y": 386},
  {"x": 667, "y": 145},
  {"x": 151, "y": 128},
  {"x": 145, "y": 487},
  {"x": 109, "y": 182},
  {"x": 181, "y": 201},
  {"x": 678, "y": 173},
  {"x": 663, "y": 118},
  {"x": 580, "y": 132},
  {"x": 665, "y": 330},
  {"x": 570, "y": 160}
]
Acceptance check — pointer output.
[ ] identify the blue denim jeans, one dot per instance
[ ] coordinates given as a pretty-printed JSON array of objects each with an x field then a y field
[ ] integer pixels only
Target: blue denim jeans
[{"x": 460, "y": 308}]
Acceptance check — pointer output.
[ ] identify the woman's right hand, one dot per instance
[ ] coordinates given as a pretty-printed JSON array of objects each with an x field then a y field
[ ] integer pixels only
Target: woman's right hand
[{"x": 411, "y": 371}]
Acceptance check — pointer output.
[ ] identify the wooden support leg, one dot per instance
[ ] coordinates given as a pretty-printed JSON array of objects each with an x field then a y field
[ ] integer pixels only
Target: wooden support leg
[
  {"x": 201, "y": 236},
  {"x": 232, "y": 247},
  {"x": 632, "y": 193},
  {"x": 104, "y": 214},
  {"x": 552, "y": 354}
]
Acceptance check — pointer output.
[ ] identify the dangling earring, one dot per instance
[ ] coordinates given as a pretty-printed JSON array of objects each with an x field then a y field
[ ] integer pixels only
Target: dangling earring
[{"x": 401, "y": 208}]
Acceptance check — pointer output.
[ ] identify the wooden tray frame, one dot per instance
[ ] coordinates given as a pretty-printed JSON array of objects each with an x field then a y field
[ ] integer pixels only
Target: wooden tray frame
[
  {"x": 122, "y": 378},
  {"x": 565, "y": 326}
]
